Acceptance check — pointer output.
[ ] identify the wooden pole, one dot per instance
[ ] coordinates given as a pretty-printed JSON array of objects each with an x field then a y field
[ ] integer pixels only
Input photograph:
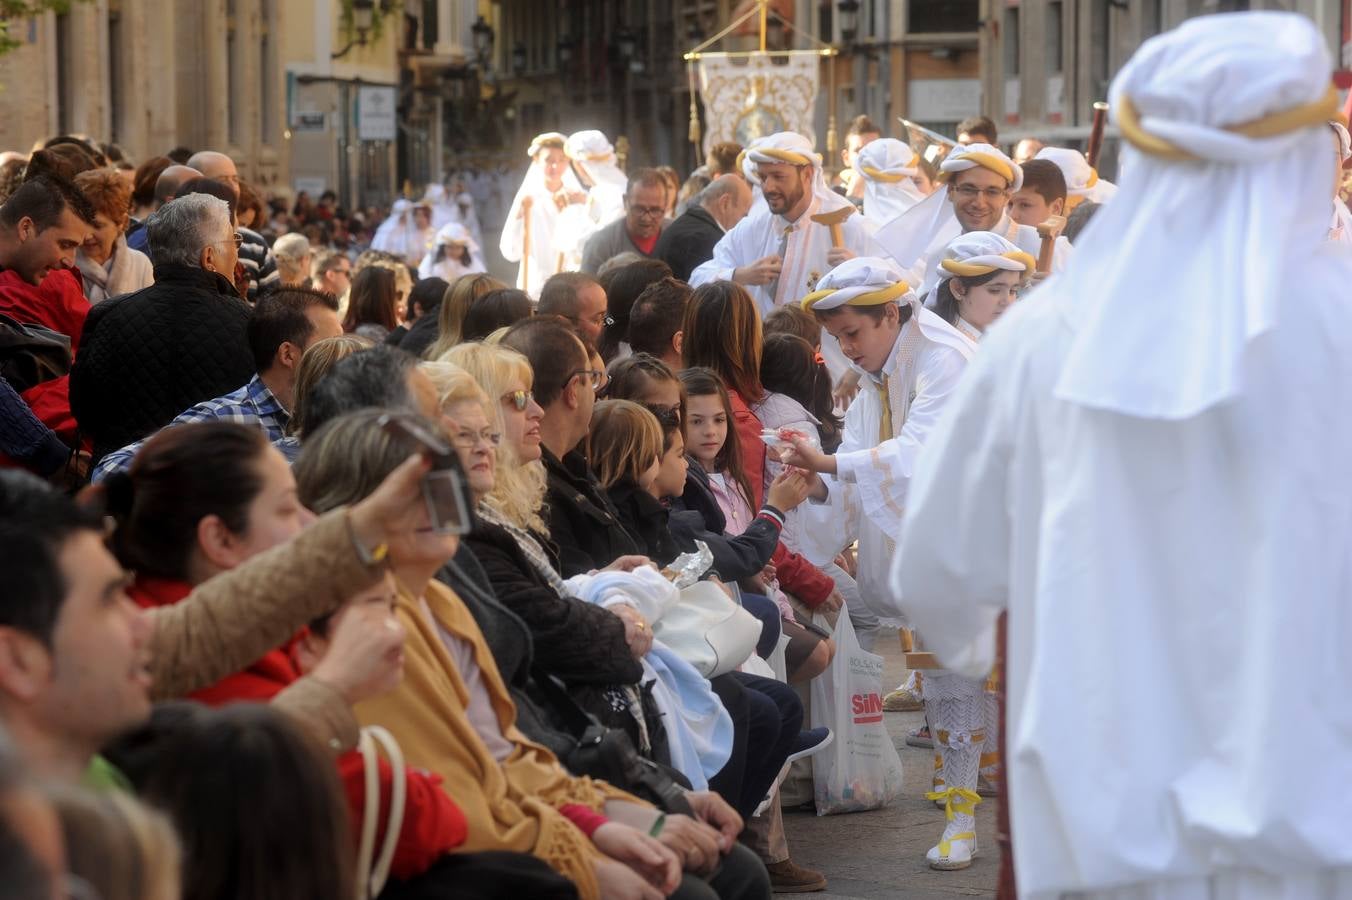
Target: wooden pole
[
  {"x": 1091, "y": 153},
  {"x": 764, "y": 6},
  {"x": 526, "y": 203}
]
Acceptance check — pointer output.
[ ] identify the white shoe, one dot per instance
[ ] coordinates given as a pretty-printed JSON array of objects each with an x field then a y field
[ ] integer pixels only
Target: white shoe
[{"x": 954, "y": 853}]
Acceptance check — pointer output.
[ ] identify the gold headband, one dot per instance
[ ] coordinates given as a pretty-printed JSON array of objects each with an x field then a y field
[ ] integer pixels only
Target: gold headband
[
  {"x": 1281, "y": 122},
  {"x": 788, "y": 156},
  {"x": 880, "y": 175},
  {"x": 986, "y": 161},
  {"x": 973, "y": 270},
  {"x": 873, "y": 298}
]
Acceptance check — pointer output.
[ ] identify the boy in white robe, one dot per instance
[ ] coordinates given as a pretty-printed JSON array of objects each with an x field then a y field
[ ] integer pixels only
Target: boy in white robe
[
  {"x": 1143, "y": 466},
  {"x": 551, "y": 188},
  {"x": 1082, "y": 180},
  {"x": 887, "y": 168}
]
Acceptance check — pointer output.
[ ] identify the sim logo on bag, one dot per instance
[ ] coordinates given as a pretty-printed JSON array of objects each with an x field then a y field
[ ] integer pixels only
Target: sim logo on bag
[{"x": 868, "y": 708}]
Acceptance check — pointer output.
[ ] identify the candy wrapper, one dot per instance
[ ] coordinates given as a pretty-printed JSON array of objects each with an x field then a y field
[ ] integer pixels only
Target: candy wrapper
[{"x": 688, "y": 568}]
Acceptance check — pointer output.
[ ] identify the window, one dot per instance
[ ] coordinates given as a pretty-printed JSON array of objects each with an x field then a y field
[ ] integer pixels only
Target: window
[
  {"x": 1012, "y": 42},
  {"x": 267, "y": 62},
  {"x": 65, "y": 114},
  {"x": 116, "y": 76},
  {"x": 1054, "y": 47},
  {"x": 232, "y": 48},
  {"x": 935, "y": 16}
]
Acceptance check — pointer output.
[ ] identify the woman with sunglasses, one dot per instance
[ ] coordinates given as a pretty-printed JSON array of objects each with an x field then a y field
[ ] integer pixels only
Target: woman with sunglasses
[{"x": 595, "y": 651}]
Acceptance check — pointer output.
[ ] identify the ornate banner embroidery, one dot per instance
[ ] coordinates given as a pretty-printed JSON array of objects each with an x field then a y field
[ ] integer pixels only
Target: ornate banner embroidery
[{"x": 752, "y": 97}]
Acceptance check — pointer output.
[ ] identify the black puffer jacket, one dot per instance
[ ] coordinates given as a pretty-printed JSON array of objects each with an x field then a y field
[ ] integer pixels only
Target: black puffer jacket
[
  {"x": 147, "y": 356},
  {"x": 583, "y": 525}
]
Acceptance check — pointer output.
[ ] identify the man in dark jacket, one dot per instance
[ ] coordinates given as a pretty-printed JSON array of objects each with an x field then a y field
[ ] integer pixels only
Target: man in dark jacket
[
  {"x": 690, "y": 239},
  {"x": 582, "y": 523},
  {"x": 148, "y": 355}
]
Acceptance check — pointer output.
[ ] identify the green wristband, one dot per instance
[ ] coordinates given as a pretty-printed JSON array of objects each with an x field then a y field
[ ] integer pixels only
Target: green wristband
[{"x": 657, "y": 825}]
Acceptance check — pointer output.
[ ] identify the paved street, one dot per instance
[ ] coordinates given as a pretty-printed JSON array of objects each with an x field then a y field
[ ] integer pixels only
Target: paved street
[{"x": 881, "y": 854}]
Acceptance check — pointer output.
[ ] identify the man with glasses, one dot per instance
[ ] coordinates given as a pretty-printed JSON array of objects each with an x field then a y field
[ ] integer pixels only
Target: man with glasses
[
  {"x": 582, "y": 522},
  {"x": 645, "y": 210},
  {"x": 254, "y": 255},
  {"x": 981, "y": 180},
  {"x": 332, "y": 274},
  {"x": 579, "y": 298},
  {"x": 148, "y": 355}
]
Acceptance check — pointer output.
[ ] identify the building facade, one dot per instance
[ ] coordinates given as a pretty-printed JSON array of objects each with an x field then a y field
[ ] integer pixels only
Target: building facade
[{"x": 1045, "y": 62}]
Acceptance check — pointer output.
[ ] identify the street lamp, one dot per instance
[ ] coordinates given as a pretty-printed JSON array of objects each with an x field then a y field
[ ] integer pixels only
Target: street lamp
[
  {"x": 363, "y": 15},
  {"x": 849, "y": 19},
  {"x": 482, "y": 34},
  {"x": 519, "y": 58},
  {"x": 626, "y": 42},
  {"x": 564, "y": 50}
]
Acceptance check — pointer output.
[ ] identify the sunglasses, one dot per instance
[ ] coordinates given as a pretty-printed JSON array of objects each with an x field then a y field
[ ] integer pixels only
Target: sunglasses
[{"x": 519, "y": 399}]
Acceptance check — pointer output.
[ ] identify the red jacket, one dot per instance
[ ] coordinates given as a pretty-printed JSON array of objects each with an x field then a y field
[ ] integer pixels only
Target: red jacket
[
  {"x": 433, "y": 824},
  {"x": 796, "y": 575},
  {"x": 58, "y": 303}
]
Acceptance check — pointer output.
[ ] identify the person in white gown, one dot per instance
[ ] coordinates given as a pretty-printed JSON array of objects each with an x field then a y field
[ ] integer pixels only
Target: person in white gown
[
  {"x": 980, "y": 180},
  {"x": 453, "y": 253},
  {"x": 1340, "y": 229},
  {"x": 888, "y": 169},
  {"x": 406, "y": 232},
  {"x": 1082, "y": 180},
  {"x": 1142, "y": 465},
  {"x": 551, "y": 188},
  {"x": 597, "y": 170}
]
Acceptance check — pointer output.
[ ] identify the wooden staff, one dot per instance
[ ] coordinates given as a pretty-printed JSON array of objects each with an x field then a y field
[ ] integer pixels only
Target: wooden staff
[
  {"x": 1096, "y": 134},
  {"x": 526, "y": 203},
  {"x": 1005, "y": 886}
]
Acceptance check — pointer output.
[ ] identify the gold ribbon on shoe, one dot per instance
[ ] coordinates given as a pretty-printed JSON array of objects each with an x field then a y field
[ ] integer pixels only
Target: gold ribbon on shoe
[
  {"x": 947, "y": 844},
  {"x": 956, "y": 800},
  {"x": 1288, "y": 120}
]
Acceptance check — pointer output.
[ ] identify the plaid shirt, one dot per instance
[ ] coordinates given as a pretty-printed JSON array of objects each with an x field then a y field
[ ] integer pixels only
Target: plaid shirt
[{"x": 252, "y": 404}]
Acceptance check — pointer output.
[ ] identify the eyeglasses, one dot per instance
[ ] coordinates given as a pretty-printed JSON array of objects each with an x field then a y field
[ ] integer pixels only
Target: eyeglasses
[
  {"x": 468, "y": 440},
  {"x": 519, "y": 399},
  {"x": 236, "y": 237},
  {"x": 597, "y": 377},
  {"x": 648, "y": 212},
  {"x": 993, "y": 195}
]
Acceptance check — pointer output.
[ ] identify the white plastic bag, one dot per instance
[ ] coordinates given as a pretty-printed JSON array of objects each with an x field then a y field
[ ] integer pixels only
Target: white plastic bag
[{"x": 860, "y": 769}]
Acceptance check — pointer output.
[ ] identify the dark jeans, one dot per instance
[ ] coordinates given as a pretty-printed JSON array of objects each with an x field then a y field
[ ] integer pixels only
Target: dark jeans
[
  {"x": 493, "y": 875},
  {"x": 741, "y": 876},
  {"x": 764, "y": 609},
  {"x": 766, "y": 716}
]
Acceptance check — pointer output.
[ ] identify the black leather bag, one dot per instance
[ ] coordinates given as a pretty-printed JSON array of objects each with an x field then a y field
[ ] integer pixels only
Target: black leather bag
[
  {"x": 31, "y": 354},
  {"x": 607, "y": 753}
]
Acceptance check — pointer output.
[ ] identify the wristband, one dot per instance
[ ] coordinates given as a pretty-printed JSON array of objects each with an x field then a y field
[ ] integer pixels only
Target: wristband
[
  {"x": 369, "y": 558},
  {"x": 657, "y": 825}
]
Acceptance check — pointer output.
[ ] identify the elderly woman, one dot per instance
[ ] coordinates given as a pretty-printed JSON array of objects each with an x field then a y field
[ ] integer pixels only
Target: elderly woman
[
  {"x": 293, "y": 254},
  {"x": 109, "y": 267}
]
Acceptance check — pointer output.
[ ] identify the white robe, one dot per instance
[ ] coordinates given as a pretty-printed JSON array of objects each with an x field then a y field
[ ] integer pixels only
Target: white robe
[
  {"x": 544, "y": 225},
  {"x": 1180, "y": 612},
  {"x": 759, "y": 235},
  {"x": 868, "y": 495}
]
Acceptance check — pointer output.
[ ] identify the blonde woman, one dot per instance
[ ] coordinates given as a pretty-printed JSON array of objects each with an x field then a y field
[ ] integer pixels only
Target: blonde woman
[
  {"x": 459, "y": 297},
  {"x": 506, "y": 377}
]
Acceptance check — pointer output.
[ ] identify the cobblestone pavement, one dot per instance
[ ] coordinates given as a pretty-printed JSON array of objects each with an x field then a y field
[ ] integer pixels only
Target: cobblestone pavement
[{"x": 881, "y": 854}]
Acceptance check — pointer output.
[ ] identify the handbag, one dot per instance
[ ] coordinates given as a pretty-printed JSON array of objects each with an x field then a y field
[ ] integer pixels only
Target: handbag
[
  {"x": 373, "y": 871},
  {"x": 709, "y": 630},
  {"x": 607, "y": 753}
]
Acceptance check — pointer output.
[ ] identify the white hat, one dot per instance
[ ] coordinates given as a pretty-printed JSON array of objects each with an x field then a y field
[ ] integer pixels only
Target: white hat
[
  {"x": 589, "y": 146},
  {"x": 980, "y": 253},
  {"x": 1224, "y": 206},
  {"x": 1082, "y": 180},
  {"x": 887, "y": 166},
  {"x": 862, "y": 281},
  {"x": 548, "y": 139},
  {"x": 784, "y": 147},
  {"x": 984, "y": 156}
]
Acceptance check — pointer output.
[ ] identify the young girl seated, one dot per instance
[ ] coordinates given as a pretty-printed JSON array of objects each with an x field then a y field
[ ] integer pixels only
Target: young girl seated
[{"x": 716, "y": 465}]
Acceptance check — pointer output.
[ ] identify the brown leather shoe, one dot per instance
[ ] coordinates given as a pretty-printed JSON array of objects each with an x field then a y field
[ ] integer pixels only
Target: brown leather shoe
[{"x": 788, "y": 877}]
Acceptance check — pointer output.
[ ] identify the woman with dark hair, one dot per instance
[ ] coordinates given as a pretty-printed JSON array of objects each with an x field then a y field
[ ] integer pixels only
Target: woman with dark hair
[
  {"x": 494, "y": 310},
  {"x": 143, "y": 186},
  {"x": 622, "y": 287},
  {"x": 257, "y": 805},
  {"x": 723, "y": 334},
  {"x": 372, "y": 305},
  {"x": 798, "y": 391},
  {"x": 202, "y": 498},
  {"x": 424, "y": 305}
]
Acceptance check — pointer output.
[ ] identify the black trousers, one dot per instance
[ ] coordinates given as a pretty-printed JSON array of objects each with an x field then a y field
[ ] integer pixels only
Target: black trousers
[
  {"x": 741, "y": 876},
  {"x": 491, "y": 875},
  {"x": 766, "y": 716}
]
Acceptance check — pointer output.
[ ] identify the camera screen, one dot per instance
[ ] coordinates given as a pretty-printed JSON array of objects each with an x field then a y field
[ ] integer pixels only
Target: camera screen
[{"x": 446, "y": 507}]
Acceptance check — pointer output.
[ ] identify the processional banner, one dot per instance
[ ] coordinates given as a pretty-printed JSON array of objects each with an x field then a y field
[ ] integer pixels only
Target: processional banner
[{"x": 754, "y": 96}]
